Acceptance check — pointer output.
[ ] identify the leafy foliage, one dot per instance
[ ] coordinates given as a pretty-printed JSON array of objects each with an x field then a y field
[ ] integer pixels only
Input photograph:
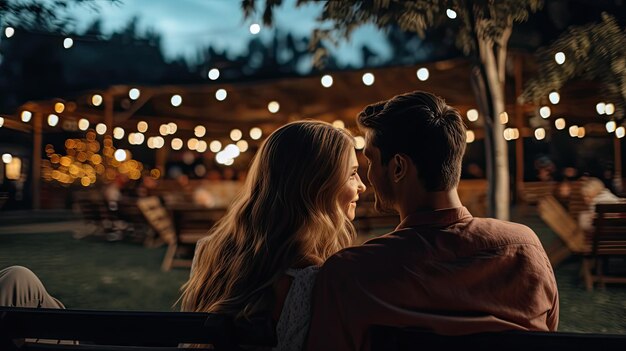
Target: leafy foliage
[
  {"x": 596, "y": 51},
  {"x": 48, "y": 15},
  {"x": 341, "y": 18}
]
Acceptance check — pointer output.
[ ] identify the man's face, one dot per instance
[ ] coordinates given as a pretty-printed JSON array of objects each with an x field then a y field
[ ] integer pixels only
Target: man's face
[{"x": 377, "y": 174}]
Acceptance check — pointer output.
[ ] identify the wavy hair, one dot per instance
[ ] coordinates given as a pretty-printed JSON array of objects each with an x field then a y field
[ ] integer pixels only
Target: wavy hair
[{"x": 287, "y": 214}]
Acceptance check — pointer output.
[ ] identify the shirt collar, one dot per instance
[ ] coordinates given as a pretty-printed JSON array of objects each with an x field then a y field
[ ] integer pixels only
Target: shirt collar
[{"x": 441, "y": 218}]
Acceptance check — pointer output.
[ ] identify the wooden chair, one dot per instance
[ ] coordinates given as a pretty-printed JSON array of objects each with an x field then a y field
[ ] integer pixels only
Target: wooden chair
[
  {"x": 572, "y": 237},
  {"x": 180, "y": 226},
  {"x": 404, "y": 339},
  {"x": 124, "y": 330},
  {"x": 608, "y": 240},
  {"x": 161, "y": 222}
]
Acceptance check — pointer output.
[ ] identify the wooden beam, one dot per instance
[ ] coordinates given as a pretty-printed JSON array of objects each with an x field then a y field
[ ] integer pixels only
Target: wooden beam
[
  {"x": 36, "y": 160},
  {"x": 519, "y": 122}
]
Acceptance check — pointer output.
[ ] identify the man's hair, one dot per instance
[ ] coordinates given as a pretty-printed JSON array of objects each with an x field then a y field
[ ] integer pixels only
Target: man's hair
[{"x": 423, "y": 127}]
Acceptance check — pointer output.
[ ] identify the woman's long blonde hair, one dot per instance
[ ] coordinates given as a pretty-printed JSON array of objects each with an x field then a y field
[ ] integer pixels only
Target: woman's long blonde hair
[{"x": 287, "y": 213}]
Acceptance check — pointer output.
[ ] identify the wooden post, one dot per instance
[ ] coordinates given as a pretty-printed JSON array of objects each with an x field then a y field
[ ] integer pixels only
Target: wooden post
[
  {"x": 617, "y": 175},
  {"x": 519, "y": 122},
  {"x": 36, "y": 161},
  {"x": 161, "y": 158},
  {"x": 108, "y": 112}
]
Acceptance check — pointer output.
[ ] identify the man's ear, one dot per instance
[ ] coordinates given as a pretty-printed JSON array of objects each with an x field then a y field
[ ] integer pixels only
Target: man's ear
[{"x": 400, "y": 167}]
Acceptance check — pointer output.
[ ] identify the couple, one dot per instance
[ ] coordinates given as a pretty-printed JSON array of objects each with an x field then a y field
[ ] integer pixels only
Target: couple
[{"x": 283, "y": 247}]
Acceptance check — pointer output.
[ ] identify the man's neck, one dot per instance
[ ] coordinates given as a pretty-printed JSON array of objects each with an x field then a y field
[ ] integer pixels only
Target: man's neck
[{"x": 430, "y": 201}]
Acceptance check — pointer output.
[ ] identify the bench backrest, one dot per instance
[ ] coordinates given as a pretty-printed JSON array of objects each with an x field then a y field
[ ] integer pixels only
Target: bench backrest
[
  {"x": 126, "y": 328},
  {"x": 609, "y": 236},
  {"x": 400, "y": 339}
]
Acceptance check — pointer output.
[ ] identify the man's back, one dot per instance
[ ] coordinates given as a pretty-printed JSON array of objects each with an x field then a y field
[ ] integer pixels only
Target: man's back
[{"x": 444, "y": 271}]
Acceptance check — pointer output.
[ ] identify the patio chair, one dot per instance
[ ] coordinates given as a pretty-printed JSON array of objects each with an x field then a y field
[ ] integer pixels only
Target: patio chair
[
  {"x": 608, "y": 241},
  {"x": 572, "y": 237}
]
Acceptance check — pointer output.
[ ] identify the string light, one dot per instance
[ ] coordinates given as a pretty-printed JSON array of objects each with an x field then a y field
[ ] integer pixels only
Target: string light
[
  {"x": 176, "y": 100},
  {"x": 142, "y": 126},
  {"x": 540, "y": 133},
  {"x": 192, "y": 144},
  {"x": 134, "y": 93},
  {"x": 368, "y": 79},
  {"x": 559, "y": 57},
  {"x": 273, "y": 106},
  {"x": 101, "y": 128},
  {"x": 68, "y": 43},
  {"x": 221, "y": 94},
  {"x": 339, "y": 124},
  {"x": 9, "y": 32},
  {"x": 1, "y": 121},
  {"x": 172, "y": 128},
  {"x": 118, "y": 133},
  {"x": 120, "y": 155},
  {"x": 202, "y": 146},
  {"x": 559, "y": 123},
  {"x": 255, "y": 28},
  {"x": 213, "y": 74},
  {"x": 451, "y": 13},
  {"x": 59, "y": 107},
  {"x": 256, "y": 133},
  {"x": 359, "y": 142},
  {"x": 545, "y": 112},
  {"x": 472, "y": 115},
  {"x": 7, "y": 158},
  {"x": 235, "y": 134},
  {"x": 620, "y": 132},
  {"x": 83, "y": 124},
  {"x": 573, "y": 131},
  {"x": 26, "y": 116},
  {"x": 215, "y": 146},
  {"x": 504, "y": 118},
  {"x": 327, "y": 81},
  {"x": 423, "y": 74},
  {"x": 601, "y": 108},
  {"x": 177, "y": 143},
  {"x": 469, "y": 136},
  {"x": 609, "y": 109},
  {"x": 242, "y": 145},
  {"x": 96, "y": 99},
  {"x": 53, "y": 120},
  {"x": 199, "y": 131},
  {"x": 554, "y": 97},
  {"x": 610, "y": 126}
]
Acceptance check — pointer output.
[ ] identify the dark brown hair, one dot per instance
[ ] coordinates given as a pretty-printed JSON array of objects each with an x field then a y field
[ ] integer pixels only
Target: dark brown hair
[{"x": 423, "y": 127}]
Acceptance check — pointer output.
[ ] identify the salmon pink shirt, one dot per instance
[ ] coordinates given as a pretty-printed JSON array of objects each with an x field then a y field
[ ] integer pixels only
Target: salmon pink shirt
[{"x": 443, "y": 271}]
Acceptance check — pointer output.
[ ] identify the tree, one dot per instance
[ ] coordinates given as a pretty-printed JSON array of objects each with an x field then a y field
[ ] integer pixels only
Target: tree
[
  {"x": 594, "y": 52},
  {"x": 37, "y": 14},
  {"x": 483, "y": 31}
]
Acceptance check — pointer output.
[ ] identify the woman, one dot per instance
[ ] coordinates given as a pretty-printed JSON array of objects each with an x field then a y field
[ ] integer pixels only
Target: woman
[{"x": 295, "y": 211}]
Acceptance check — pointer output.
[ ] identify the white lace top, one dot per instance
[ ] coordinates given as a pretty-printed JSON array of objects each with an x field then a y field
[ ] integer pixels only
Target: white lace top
[{"x": 293, "y": 324}]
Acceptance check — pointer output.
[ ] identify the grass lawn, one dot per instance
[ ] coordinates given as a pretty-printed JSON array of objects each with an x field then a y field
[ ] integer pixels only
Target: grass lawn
[{"x": 94, "y": 274}]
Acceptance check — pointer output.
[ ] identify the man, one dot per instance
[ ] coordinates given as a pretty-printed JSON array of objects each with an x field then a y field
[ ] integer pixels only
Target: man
[{"x": 441, "y": 269}]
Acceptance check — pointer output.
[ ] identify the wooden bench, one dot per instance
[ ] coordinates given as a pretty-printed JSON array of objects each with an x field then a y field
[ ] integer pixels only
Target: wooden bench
[
  {"x": 572, "y": 238},
  {"x": 532, "y": 192},
  {"x": 124, "y": 330},
  {"x": 608, "y": 240},
  {"x": 401, "y": 339}
]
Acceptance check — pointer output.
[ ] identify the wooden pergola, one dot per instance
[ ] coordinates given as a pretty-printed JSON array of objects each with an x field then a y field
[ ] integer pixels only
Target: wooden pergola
[{"x": 246, "y": 105}]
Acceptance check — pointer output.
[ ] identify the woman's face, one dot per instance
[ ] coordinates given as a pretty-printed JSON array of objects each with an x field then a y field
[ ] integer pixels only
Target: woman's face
[{"x": 349, "y": 193}]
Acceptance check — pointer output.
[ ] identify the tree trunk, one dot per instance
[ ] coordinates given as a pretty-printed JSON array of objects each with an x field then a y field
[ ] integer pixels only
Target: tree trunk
[{"x": 488, "y": 85}]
